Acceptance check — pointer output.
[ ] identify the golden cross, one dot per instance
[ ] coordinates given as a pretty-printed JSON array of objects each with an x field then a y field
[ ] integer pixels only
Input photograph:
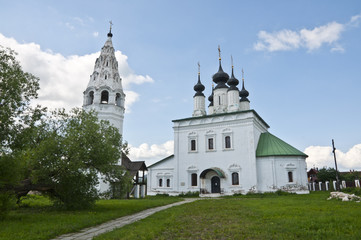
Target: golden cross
[
  {"x": 199, "y": 68},
  {"x": 219, "y": 52},
  {"x": 111, "y": 24}
]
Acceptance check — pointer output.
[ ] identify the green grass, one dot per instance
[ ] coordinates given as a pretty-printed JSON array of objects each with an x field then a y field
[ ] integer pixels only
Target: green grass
[
  {"x": 37, "y": 219},
  {"x": 251, "y": 217}
]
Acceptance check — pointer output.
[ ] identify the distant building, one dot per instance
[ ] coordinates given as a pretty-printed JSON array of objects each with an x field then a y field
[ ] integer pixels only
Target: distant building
[
  {"x": 227, "y": 151},
  {"x": 104, "y": 94}
]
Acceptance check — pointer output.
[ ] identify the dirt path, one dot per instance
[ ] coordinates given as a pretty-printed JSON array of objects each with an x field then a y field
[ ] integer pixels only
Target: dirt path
[{"x": 89, "y": 233}]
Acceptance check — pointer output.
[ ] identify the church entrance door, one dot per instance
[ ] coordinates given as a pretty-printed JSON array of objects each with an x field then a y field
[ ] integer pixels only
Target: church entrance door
[{"x": 216, "y": 184}]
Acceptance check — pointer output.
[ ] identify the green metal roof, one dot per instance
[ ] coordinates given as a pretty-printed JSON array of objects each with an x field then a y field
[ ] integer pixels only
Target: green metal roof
[{"x": 270, "y": 145}]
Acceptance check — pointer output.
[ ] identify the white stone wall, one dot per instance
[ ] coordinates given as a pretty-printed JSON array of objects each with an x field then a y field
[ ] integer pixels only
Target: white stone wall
[
  {"x": 273, "y": 174},
  {"x": 240, "y": 158},
  {"x": 164, "y": 170},
  {"x": 233, "y": 101},
  {"x": 220, "y": 100},
  {"x": 199, "y": 106}
]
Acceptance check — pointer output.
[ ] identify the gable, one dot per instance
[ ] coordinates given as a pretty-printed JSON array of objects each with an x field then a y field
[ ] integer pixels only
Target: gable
[{"x": 164, "y": 160}]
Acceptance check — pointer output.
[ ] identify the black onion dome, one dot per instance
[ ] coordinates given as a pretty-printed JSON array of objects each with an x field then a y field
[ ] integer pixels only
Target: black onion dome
[
  {"x": 243, "y": 93},
  {"x": 210, "y": 98},
  {"x": 220, "y": 78},
  {"x": 199, "y": 87},
  {"x": 233, "y": 82}
]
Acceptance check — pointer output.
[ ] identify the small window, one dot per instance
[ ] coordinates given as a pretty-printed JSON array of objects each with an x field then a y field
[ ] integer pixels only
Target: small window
[
  {"x": 227, "y": 140},
  {"x": 105, "y": 97},
  {"x": 168, "y": 182},
  {"x": 194, "y": 179},
  {"x": 91, "y": 97},
  {"x": 107, "y": 63},
  {"x": 290, "y": 176},
  {"x": 117, "y": 99},
  {"x": 160, "y": 182},
  {"x": 210, "y": 144},
  {"x": 235, "y": 179},
  {"x": 106, "y": 76},
  {"x": 193, "y": 145}
]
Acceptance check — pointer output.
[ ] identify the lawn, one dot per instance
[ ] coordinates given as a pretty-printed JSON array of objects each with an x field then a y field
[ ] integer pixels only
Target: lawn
[
  {"x": 251, "y": 217},
  {"x": 39, "y": 220}
]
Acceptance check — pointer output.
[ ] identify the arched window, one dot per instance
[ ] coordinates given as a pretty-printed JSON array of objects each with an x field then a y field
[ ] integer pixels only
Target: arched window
[
  {"x": 235, "y": 179},
  {"x": 117, "y": 99},
  {"x": 91, "y": 98},
  {"x": 106, "y": 76},
  {"x": 105, "y": 97},
  {"x": 194, "y": 179},
  {"x": 227, "y": 140},
  {"x": 290, "y": 176},
  {"x": 168, "y": 182},
  {"x": 107, "y": 63},
  {"x": 160, "y": 182}
]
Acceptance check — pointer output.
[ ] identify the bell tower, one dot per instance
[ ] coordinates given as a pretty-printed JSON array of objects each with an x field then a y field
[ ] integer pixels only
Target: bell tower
[{"x": 104, "y": 92}]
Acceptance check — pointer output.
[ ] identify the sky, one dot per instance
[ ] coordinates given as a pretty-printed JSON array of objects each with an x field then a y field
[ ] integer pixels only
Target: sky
[{"x": 301, "y": 62}]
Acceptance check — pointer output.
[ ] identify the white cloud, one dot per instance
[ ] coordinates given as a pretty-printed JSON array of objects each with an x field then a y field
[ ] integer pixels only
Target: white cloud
[
  {"x": 286, "y": 40},
  {"x": 313, "y": 39},
  {"x": 320, "y": 156},
  {"x": 152, "y": 153},
  {"x": 95, "y": 34},
  {"x": 63, "y": 79},
  {"x": 69, "y": 25},
  {"x": 355, "y": 20}
]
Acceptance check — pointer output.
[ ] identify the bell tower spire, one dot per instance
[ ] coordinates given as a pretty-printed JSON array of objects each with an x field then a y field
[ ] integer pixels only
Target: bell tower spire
[{"x": 104, "y": 93}]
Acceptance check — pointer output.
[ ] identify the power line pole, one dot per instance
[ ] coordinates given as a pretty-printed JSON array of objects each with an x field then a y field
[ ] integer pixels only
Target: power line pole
[{"x": 334, "y": 156}]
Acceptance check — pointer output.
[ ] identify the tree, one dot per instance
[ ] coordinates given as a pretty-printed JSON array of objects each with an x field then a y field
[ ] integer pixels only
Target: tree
[
  {"x": 326, "y": 174},
  {"x": 59, "y": 153},
  {"x": 76, "y": 149},
  {"x": 17, "y": 88}
]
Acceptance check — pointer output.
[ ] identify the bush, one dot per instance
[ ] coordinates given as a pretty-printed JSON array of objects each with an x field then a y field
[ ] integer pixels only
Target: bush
[
  {"x": 7, "y": 202},
  {"x": 352, "y": 190},
  {"x": 189, "y": 194}
]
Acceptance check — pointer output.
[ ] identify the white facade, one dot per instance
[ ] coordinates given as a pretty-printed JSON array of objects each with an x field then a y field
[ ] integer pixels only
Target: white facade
[
  {"x": 104, "y": 93},
  {"x": 221, "y": 153}
]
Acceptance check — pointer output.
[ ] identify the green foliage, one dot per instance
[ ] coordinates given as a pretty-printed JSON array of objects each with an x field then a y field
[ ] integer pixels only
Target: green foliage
[
  {"x": 189, "y": 194},
  {"x": 55, "y": 152},
  {"x": 351, "y": 176},
  {"x": 75, "y": 149},
  {"x": 352, "y": 190},
  {"x": 35, "y": 201},
  {"x": 17, "y": 88},
  {"x": 327, "y": 174},
  {"x": 6, "y": 203}
]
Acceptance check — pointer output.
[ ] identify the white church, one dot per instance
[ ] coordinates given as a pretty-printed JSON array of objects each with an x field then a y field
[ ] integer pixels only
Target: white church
[
  {"x": 223, "y": 152},
  {"x": 227, "y": 150}
]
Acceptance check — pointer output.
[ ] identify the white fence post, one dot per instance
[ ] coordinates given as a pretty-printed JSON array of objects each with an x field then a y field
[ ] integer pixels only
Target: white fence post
[
  {"x": 327, "y": 183},
  {"x": 357, "y": 183},
  {"x": 343, "y": 184}
]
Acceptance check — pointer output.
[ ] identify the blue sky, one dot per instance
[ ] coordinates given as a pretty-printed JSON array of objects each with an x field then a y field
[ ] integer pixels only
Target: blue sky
[{"x": 301, "y": 61}]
